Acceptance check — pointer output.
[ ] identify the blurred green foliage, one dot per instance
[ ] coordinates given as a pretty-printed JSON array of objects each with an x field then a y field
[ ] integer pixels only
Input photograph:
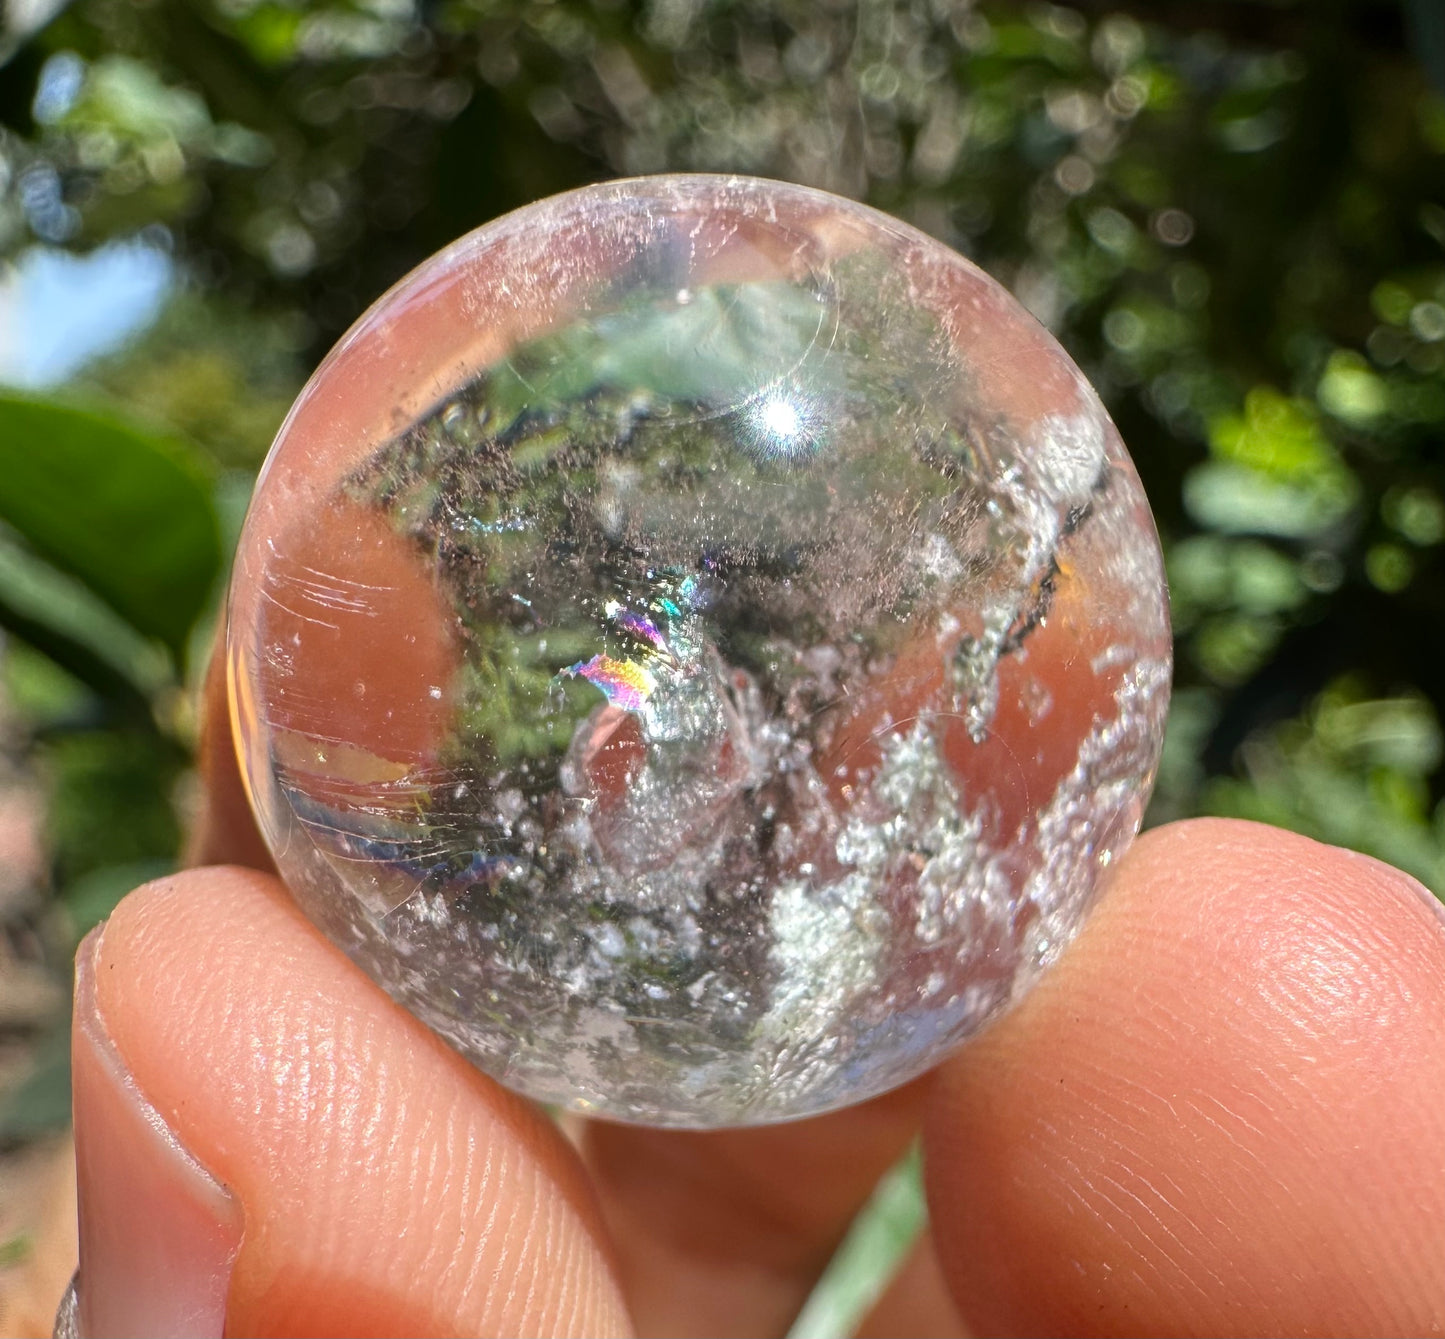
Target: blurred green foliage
[{"x": 1232, "y": 212}]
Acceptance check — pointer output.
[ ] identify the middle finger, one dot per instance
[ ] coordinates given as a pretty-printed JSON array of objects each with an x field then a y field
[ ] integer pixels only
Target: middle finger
[{"x": 727, "y": 1231}]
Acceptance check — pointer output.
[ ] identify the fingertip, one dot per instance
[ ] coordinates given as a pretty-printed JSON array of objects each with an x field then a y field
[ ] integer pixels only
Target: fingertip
[
  {"x": 385, "y": 1185},
  {"x": 1222, "y": 1110}
]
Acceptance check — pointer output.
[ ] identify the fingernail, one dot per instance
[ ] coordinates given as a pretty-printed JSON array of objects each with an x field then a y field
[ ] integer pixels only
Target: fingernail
[{"x": 158, "y": 1233}]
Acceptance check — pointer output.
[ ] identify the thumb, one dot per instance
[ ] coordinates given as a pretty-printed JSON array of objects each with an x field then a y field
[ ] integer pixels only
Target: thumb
[{"x": 267, "y": 1145}]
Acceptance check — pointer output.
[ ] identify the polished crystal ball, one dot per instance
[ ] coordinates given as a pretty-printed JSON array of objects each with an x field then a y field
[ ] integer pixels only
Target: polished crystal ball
[{"x": 699, "y": 645}]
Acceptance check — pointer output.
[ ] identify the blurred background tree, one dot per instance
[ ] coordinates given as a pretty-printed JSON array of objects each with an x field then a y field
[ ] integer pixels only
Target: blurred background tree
[{"x": 1232, "y": 213}]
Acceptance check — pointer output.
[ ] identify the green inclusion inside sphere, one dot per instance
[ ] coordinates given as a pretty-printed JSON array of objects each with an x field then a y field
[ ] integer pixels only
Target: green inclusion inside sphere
[{"x": 698, "y": 644}]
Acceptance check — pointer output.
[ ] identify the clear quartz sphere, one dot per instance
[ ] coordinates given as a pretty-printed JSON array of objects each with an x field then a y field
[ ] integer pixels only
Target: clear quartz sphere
[{"x": 698, "y": 644}]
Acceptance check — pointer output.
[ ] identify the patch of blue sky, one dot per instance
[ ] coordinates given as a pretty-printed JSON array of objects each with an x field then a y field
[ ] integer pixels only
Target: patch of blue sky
[{"x": 59, "y": 310}]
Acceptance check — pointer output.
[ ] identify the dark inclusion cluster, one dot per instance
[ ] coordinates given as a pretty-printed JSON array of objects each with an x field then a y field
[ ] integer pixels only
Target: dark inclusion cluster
[{"x": 746, "y": 583}]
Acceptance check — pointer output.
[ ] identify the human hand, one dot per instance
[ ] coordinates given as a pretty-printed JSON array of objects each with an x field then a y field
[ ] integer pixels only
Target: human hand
[{"x": 1222, "y": 1111}]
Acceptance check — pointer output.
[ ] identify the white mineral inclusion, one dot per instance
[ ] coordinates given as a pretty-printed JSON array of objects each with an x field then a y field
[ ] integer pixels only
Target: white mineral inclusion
[{"x": 697, "y": 644}]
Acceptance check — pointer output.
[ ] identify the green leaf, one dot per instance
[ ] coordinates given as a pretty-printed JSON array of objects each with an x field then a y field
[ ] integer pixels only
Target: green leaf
[
  {"x": 93, "y": 896},
  {"x": 110, "y": 800},
  {"x": 861, "y": 1268},
  {"x": 76, "y": 659},
  {"x": 42, "y": 1102},
  {"x": 77, "y": 631},
  {"x": 128, "y": 514},
  {"x": 1279, "y": 437}
]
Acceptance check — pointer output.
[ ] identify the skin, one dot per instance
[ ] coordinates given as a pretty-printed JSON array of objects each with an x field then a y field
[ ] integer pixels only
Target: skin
[{"x": 1222, "y": 1111}]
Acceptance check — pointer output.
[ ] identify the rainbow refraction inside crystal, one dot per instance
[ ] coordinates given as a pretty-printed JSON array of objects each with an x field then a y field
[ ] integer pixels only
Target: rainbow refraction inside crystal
[{"x": 697, "y": 643}]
